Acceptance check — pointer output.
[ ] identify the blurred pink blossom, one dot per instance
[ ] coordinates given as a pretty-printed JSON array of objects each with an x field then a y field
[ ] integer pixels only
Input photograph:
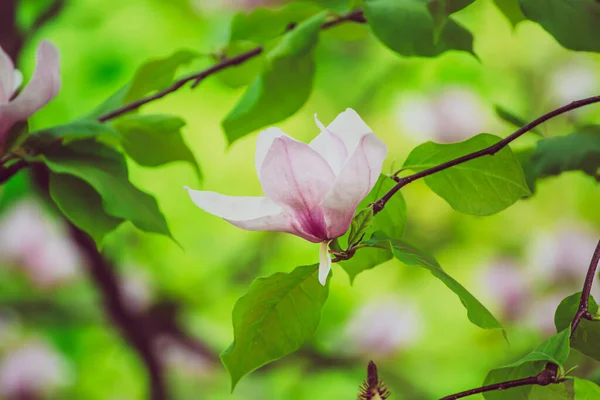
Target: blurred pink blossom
[
  {"x": 541, "y": 312},
  {"x": 33, "y": 368},
  {"x": 574, "y": 80},
  {"x": 383, "y": 327},
  {"x": 32, "y": 240},
  {"x": 136, "y": 288},
  {"x": 508, "y": 286},
  {"x": 182, "y": 359}
]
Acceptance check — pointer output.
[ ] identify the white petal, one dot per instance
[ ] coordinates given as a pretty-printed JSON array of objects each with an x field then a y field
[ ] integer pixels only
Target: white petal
[
  {"x": 350, "y": 127},
  {"x": 250, "y": 213},
  {"x": 263, "y": 145},
  {"x": 17, "y": 80},
  {"x": 353, "y": 184},
  {"x": 6, "y": 76},
  {"x": 330, "y": 146},
  {"x": 324, "y": 262}
]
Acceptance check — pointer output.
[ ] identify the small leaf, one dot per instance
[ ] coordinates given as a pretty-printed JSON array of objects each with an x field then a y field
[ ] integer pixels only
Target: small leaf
[
  {"x": 511, "y": 10},
  {"x": 587, "y": 334},
  {"x": 277, "y": 315},
  {"x": 82, "y": 129},
  {"x": 264, "y": 24},
  {"x": 151, "y": 76},
  {"x": 409, "y": 255},
  {"x": 82, "y": 205},
  {"x": 105, "y": 169},
  {"x": 408, "y": 28},
  {"x": 360, "y": 225},
  {"x": 365, "y": 258},
  {"x": 153, "y": 140},
  {"x": 558, "y": 16},
  {"x": 483, "y": 186},
  {"x": 513, "y": 119},
  {"x": 284, "y": 85},
  {"x": 555, "y": 350},
  {"x": 586, "y": 390}
]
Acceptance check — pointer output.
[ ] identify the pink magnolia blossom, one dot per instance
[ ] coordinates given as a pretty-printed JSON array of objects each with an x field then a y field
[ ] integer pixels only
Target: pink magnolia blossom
[
  {"x": 312, "y": 190},
  {"x": 43, "y": 87}
]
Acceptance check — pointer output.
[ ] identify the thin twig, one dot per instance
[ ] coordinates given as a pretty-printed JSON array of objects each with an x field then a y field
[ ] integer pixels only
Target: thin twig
[
  {"x": 12, "y": 170},
  {"x": 544, "y": 378},
  {"x": 354, "y": 16},
  {"x": 583, "y": 311},
  {"x": 491, "y": 150}
]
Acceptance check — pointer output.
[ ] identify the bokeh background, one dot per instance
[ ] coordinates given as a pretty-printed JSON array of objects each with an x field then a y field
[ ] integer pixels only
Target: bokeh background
[{"x": 55, "y": 339}]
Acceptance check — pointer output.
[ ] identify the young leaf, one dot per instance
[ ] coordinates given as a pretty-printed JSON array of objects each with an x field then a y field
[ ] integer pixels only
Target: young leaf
[
  {"x": 587, "y": 334},
  {"x": 586, "y": 390},
  {"x": 555, "y": 350},
  {"x": 152, "y": 76},
  {"x": 511, "y": 10},
  {"x": 409, "y": 255},
  {"x": 558, "y": 16},
  {"x": 82, "y": 205},
  {"x": 408, "y": 28},
  {"x": 105, "y": 169},
  {"x": 482, "y": 186},
  {"x": 82, "y": 129},
  {"x": 277, "y": 315},
  {"x": 284, "y": 85},
  {"x": 264, "y": 24},
  {"x": 360, "y": 225},
  {"x": 153, "y": 140}
]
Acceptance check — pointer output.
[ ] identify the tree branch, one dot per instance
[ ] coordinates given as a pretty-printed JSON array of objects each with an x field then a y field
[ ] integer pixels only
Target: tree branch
[
  {"x": 491, "y": 150},
  {"x": 582, "y": 311},
  {"x": 354, "y": 16},
  {"x": 12, "y": 170}
]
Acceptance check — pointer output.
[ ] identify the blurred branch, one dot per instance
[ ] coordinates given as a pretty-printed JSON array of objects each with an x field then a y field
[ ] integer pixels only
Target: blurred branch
[
  {"x": 354, "y": 16},
  {"x": 12, "y": 170},
  {"x": 549, "y": 375},
  {"x": 582, "y": 311},
  {"x": 51, "y": 12},
  {"x": 11, "y": 39},
  {"x": 488, "y": 151}
]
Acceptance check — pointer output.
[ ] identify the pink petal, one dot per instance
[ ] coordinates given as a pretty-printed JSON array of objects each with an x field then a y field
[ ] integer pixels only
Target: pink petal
[
  {"x": 298, "y": 178},
  {"x": 263, "y": 145},
  {"x": 350, "y": 127},
  {"x": 324, "y": 262},
  {"x": 6, "y": 77},
  {"x": 330, "y": 146},
  {"x": 250, "y": 213},
  {"x": 355, "y": 181},
  {"x": 42, "y": 88}
]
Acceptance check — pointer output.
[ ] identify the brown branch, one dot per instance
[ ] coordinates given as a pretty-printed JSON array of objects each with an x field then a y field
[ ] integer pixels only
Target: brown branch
[
  {"x": 583, "y": 311},
  {"x": 549, "y": 375},
  {"x": 491, "y": 150},
  {"x": 12, "y": 170},
  {"x": 354, "y": 16}
]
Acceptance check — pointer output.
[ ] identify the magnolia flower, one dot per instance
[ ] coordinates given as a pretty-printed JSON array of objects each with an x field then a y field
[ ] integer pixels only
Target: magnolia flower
[
  {"x": 312, "y": 190},
  {"x": 43, "y": 87}
]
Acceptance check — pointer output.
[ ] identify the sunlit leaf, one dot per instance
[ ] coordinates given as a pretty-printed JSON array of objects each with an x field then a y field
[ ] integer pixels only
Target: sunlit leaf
[
  {"x": 483, "y": 186},
  {"x": 408, "y": 28},
  {"x": 586, "y": 390},
  {"x": 81, "y": 129},
  {"x": 574, "y": 24},
  {"x": 511, "y": 10},
  {"x": 587, "y": 334},
  {"x": 284, "y": 85},
  {"x": 105, "y": 170},
  {"x": 244, "y": 73},
  {"x": 153, "y": 140},
  {"x": 277, "y": 315}
]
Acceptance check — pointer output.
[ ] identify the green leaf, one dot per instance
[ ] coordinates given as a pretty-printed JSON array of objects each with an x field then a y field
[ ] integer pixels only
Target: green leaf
[
  {"x": 264, "y": 24},
  {"x": 241, "y": 74},
  {"x": 586, "y": 390},
  {"x": 392, "y": 219},
  {"x": 284, "y": 85},
  {"x": 82, "y": 205},
  {"x": 15, "y": 136},
  {"x": 408, "y": 28},
  {"x": 513, "y": 119},
  {"x": 82, "y": 129},
  {"x": 365, "y": 258},
  {"x": 587, "y": 334},
  {"x": 105, "y": 170},
  {"x": 483, "y": 186},
  {"x": 360, "y": 225},
  {"x": 409, "y": 255},
  {"x": 151, "y": 76},
  {"x": 555, "y": 350},
  {"x": 511, "y": 10},
  {"x": 277, "y": 315},
  {"x": 573, "y": 23},
  {"x": 153, "y": 140}
]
